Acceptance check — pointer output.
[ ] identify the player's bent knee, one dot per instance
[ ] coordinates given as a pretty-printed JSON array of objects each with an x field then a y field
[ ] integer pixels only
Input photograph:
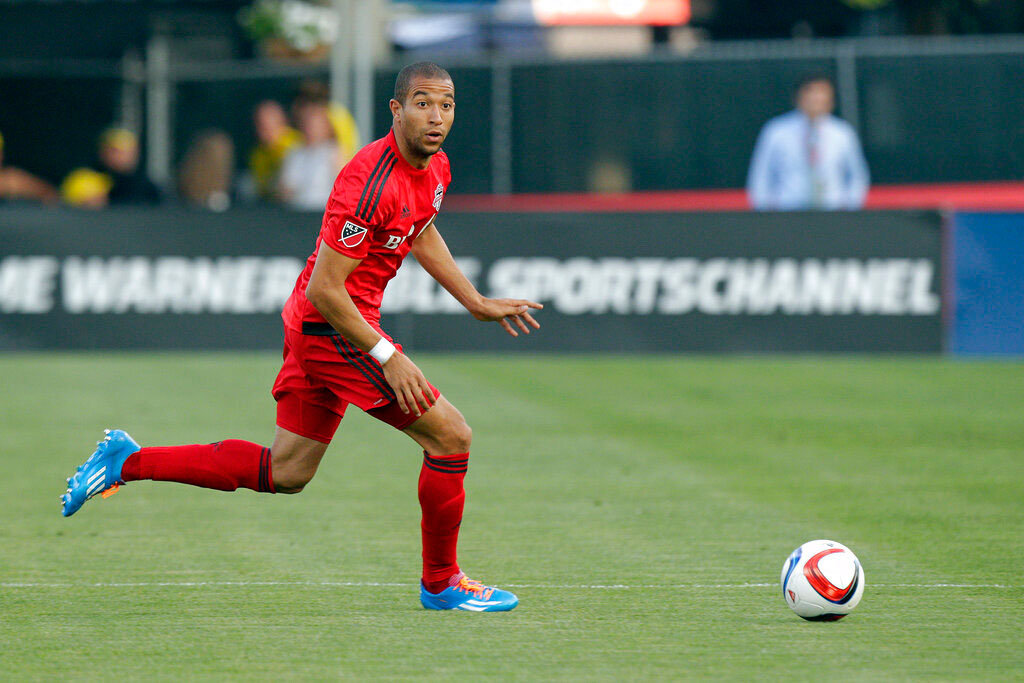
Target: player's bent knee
[
  {"x": 443, "y": 432},
  {"x": 291, "y": 482},
  {"x": 294, "y": 460},
  {"x": 465, "y": 437},
  {"x": 291, "y": 474},
  {"x": 457, "y": 438}
]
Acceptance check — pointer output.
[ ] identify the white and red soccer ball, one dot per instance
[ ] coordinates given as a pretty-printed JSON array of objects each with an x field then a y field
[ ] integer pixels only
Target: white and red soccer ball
[{"x": 822, "y": 581}]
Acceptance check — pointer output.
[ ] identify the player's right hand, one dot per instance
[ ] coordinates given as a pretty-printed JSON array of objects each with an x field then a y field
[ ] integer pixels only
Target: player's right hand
[{"x": 412, "y": 391}]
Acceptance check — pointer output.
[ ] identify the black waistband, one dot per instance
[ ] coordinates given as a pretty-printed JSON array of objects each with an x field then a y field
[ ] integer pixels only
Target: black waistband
[{"x": 318, "y": 329}]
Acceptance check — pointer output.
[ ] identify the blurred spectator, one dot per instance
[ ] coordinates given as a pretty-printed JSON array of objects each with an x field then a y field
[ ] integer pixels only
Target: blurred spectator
[
  {"x": 205, "y": 174},
  {"x": 119, "y": 156},
  {"x": 308, "y": 170},
  {"x": 609, "y": 175},
  {"x": 18, "y": 184},
  {"x": 275, "y": 138},
  {"x": 345, "y": 132},
  {"x": 808, "y": 158},
  {"x": 86, "y": 188}
]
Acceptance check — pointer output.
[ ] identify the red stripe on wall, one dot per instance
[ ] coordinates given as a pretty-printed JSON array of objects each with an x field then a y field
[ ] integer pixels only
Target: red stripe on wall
[{"x": 1008, "y": 196}]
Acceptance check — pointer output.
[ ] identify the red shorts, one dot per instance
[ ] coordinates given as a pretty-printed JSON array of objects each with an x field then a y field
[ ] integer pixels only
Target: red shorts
[{"x": 321, "y": 375}]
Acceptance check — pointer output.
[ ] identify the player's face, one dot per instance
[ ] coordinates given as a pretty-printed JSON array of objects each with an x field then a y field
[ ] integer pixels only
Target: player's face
[{"x": 426, "y": 116}]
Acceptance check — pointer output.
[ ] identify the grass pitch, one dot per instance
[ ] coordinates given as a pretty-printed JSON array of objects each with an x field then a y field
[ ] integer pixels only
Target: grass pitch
[{"x": 641, "y": 508}]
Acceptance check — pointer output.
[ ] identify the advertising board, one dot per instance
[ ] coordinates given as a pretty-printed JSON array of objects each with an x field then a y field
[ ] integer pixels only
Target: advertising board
[{"x": 623, "y": 282}]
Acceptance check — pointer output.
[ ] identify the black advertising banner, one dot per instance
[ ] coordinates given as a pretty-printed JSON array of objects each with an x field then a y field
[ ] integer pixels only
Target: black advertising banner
[
  {"x": 147, "y": 278},
  {"x": 726, "y": 282}
]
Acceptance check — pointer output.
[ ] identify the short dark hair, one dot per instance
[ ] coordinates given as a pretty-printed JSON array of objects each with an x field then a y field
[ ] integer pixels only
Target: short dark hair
[
  {"x": 312, "y": 92},
  {"x": 814, "y": 77},
  {"x": 423, "y": 69}
]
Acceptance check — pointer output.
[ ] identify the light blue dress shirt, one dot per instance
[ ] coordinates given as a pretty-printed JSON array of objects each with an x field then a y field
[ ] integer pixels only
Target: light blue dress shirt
[{"x": 800, "y": 164}]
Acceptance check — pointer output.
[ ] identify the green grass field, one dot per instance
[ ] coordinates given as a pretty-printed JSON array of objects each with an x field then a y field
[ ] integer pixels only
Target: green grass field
[{"x": 641, "y": 508}]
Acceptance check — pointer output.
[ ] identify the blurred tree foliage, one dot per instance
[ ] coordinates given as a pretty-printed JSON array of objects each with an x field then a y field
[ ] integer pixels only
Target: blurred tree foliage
[{"x": 867, "y": 4}]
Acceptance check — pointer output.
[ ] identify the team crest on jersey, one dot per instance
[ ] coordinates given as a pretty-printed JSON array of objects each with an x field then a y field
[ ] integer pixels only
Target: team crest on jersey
[
  {"x": 438, "y": 196},
  {"x": 352, "y": 234}
]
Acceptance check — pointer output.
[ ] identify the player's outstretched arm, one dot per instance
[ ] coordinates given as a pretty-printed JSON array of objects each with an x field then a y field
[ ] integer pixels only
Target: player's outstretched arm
[
  {"x": 433, "y": 254},
  {"x": 326, "y": 291}
]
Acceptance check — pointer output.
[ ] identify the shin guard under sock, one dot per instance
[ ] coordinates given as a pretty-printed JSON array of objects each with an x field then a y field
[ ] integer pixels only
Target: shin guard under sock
[
  {"x": 441, "y": 499},
  {"x": 225, "y": 465}
]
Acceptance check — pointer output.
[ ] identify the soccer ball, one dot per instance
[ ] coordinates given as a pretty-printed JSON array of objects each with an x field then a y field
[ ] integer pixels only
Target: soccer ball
[{"x": 822, "y": 581}]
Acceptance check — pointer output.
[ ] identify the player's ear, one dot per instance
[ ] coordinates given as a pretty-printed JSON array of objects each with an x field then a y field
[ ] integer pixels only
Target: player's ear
[{"x": 395, "y": 107}]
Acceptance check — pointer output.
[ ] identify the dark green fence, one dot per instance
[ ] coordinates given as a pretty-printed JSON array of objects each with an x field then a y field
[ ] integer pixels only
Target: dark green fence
[
  {"x": 927, "y": 110},
  {"x": 681, "y": 123}
]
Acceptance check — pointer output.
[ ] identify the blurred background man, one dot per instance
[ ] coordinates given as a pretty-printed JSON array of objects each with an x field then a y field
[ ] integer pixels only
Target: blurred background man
[
  {"x": 309, "y": 169},
  {"x": 119, "y": 157},
  {"x": 275, "y": 138},
  {"x": 205, "y": 177},
  {"x": 808, "y": 158},
  {"x": 16, "y": 184}
]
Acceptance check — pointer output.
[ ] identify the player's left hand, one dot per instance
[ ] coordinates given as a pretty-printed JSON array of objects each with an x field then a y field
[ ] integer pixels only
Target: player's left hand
[{"x": 507, "y": 312}]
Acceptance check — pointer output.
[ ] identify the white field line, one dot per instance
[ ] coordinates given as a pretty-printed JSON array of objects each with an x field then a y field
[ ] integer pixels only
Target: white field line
[{"x": 375, "y": 584}]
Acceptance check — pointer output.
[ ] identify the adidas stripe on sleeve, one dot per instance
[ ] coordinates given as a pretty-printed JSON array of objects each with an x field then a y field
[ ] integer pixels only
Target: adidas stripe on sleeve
[{"x": 352, "y": 211}]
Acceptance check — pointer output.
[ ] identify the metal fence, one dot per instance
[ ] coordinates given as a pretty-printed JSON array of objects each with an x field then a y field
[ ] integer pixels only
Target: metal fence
[{"x": 927, "y": 109}]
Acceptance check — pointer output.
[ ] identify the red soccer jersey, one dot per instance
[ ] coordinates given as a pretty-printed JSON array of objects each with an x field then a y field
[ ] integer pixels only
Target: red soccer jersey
[{"x": 378, "y": 207}]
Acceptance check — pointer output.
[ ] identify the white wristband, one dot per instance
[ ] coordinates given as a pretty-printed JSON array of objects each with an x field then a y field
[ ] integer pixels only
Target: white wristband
[{"x": 383, "y": 350}]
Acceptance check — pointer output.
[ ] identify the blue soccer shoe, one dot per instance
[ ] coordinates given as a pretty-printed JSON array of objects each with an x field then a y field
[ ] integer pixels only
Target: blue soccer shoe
[
  {"x": 101, "y": 473},
  {"x": 469, "y": 595}
]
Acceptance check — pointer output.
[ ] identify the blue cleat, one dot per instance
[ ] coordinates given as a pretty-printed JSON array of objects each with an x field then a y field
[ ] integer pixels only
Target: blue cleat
[
  {"x": 469, "y": 595},
  {"x": 101, "y": 473}
]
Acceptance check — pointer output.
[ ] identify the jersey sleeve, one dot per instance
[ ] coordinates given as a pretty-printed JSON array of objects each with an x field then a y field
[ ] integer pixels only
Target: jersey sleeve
[
  {"x": 447, "y": 174},
  {"x": 354, "y": 211}
]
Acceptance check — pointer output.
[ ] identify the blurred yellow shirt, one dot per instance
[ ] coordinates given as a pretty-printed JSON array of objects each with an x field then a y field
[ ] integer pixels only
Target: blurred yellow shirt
[
  {"x": 86, "y": 187},
  {"x": 265, "y": 161},
  {"x": 345, "y": 132}
]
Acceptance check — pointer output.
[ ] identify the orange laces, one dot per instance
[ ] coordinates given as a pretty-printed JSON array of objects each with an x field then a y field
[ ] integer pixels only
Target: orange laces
[{"x": 468, "y": 585}]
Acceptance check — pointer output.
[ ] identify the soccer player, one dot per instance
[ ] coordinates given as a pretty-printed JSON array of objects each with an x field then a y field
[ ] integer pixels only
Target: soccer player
[{"x": 383, "y": 206}]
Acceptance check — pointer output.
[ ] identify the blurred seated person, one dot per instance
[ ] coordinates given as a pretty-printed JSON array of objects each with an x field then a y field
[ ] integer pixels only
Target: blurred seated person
[
  {"x": 16, "y": 184},
  {"x": 808, "y": 158},
  {"x": 206, "y": 172},
  {"x": 345, "y": 131},
  {"x": 119, "y": 157},
  {"x": 275, "y": 138},
  {"x": 309, "y": 170},
  {"x": 85, "y": 188}
]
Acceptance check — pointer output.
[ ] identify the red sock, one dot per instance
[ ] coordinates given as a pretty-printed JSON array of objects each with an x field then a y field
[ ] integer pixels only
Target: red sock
[
  {"x": 225, "y": 465},
  {"x": 441, "y": 499}
]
